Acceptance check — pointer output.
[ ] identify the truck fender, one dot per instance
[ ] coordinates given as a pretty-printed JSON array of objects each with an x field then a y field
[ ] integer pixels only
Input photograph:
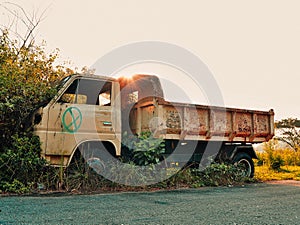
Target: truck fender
[
  {"x": 92, "y": 145},
  {"x": 246, "y": 149}
]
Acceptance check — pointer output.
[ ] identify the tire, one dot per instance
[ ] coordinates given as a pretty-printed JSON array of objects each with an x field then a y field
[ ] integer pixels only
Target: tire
[
  {"x": 96, "y": 156},
  {"x": 83, "y": 162},
  {"x": 245, "y": 161},
  {"x": 96, "y": 164},
  {"x": 94, "y": 160},
  {"x": 80, "y": 175}
]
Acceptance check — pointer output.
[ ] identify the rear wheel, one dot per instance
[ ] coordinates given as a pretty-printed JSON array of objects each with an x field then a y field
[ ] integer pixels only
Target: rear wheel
[{"x": 245, "y": 162}]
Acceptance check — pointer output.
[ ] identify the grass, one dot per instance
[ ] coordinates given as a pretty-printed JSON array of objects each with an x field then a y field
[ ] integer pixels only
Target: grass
[
  {"x": 277, "y": 163},
  {"x": 264, "y": 173}
]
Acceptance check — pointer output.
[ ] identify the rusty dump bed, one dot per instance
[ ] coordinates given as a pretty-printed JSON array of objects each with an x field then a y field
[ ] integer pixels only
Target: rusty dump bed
[{"x": 171, "y": 120}]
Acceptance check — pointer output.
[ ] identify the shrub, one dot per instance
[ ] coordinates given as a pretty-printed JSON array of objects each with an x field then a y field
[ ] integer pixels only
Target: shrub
[
  {"x": 222, "y": 174},
  {"x": 143, "y": 150},
  {"x": 15, "y": 187},
  {"x": 271, "y": 157},
  {"x": 21, "y": 162},
  {"x": 213, "y": 175},
  {"x": 276, "y": 162}
]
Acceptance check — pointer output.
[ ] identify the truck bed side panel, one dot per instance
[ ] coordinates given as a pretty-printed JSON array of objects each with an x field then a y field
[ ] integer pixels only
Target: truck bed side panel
[{"x": 199, "y": 122}]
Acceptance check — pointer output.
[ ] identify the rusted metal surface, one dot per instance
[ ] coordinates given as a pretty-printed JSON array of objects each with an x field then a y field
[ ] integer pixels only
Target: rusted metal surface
[{"x": 200, "y": 122}]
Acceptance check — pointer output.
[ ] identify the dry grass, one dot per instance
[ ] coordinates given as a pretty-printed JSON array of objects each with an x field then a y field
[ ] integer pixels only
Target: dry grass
[{"x": 264, "y": 173}]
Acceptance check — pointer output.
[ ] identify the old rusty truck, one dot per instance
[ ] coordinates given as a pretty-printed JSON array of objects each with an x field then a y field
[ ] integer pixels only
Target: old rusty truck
[{"x": 90, "y": 110}]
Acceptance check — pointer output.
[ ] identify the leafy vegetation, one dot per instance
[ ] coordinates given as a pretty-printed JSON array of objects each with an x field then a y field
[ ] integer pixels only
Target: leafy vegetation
[
  {"x": 27, "y": 78},
  {"x": 143, "y": 150},
  {"x": 272, "y": 155},
  {"x": 288, "y": 123},
  {"x": 143, "y": 153}
]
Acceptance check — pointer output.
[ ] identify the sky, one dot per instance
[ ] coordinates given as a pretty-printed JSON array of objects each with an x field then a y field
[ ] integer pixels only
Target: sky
[{"x": 252, "y": 48}]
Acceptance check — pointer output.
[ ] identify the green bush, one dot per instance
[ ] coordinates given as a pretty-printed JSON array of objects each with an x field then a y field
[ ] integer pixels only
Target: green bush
[
  {"x": 80, "y": 177},
  {"x": 21, "y": 162},
  {"x": 143, "y": 150},
  {"x": 213, "y": 175},
  {"x": 184, "y": 177},
  {"x": 15, "y": 186}
]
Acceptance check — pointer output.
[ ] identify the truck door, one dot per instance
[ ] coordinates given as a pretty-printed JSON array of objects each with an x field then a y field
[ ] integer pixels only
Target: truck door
[{"x": 82, "y": 112}]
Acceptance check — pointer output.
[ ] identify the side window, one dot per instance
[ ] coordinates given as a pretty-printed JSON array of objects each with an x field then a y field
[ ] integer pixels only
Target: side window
[
  {"x": 105, "y": 95},
  {"x": 71, "y": 94},
  {"x": 86, "y": 91}
]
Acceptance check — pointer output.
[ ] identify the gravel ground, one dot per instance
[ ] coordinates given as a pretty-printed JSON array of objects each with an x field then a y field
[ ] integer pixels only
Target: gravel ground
[{"x": 268, "y": 203}]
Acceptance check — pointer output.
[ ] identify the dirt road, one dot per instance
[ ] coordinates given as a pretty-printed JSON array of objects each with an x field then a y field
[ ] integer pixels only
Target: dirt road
[{"x": 252, "y": 204}]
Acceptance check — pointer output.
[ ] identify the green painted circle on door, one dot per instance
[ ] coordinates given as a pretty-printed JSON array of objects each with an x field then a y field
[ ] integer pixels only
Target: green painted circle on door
[{"x": 76, "y": 119}]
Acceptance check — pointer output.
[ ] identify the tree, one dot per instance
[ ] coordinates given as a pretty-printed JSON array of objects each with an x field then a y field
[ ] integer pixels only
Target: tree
[
  {"x": 288, "y": 123},
  {"x": 21, "y": 25},
  {"x": 290, "y": 132}
]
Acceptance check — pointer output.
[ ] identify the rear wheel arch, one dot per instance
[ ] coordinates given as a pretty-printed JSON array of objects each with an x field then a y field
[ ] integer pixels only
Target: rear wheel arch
[
  {"x": 247, "y": 149},
  {"x": 106, "y": 146}
]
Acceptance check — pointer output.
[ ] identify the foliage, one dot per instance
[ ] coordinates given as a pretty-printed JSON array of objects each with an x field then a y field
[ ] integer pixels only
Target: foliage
[
  {"x": 288, "y": 123},
  {"x": 290, "y": 133},
  {"x": 291, "y": 136},
  {"x": 186, "y": 177},
  {"x": 213, "y": 175},
  {"x": 272, "y": 159},
  {"x": 145, "y": 149},
  {"x": 21, "y": 163},
  {"x": 27, "y": 76},
  {"x": 277, "y": 164},
  {"x": 15, "y": 186},
  {"x": 27, "y": 79},
  {"x": 275, "y": 158},
  {"x": 222, "y": 174},
  {"x": 78, "y": 176},
  {"x": 128, "y": 173}
]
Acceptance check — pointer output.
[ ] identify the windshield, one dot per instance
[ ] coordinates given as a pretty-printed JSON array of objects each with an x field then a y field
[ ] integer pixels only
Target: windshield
[{"x": 62, "y": 82}]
